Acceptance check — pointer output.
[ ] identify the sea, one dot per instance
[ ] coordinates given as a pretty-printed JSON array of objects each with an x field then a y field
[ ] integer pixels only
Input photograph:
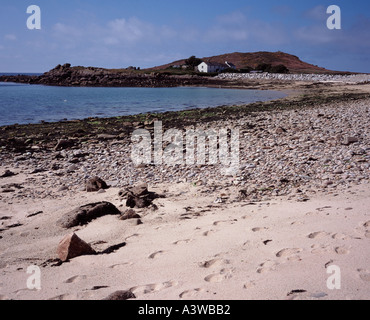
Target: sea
[{"x": 25, "y": 104}]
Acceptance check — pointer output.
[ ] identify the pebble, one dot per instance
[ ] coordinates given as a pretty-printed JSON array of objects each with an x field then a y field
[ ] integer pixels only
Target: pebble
[
  {"x": 266, "y": 158},
  {"x": 353, "y": 78}
]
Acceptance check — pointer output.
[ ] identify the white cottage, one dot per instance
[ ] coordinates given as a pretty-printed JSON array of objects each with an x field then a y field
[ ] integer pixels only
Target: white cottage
[{"x": 215, "y": 66}]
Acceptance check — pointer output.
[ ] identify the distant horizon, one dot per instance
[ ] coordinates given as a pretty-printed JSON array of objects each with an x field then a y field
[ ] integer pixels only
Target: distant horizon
[
  {"x": 122, "y": 67},
  {"x": 144, "y": 33}
]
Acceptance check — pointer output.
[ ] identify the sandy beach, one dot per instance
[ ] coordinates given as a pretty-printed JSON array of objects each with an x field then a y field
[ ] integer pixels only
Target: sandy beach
[{"x": 298, "y": 205}]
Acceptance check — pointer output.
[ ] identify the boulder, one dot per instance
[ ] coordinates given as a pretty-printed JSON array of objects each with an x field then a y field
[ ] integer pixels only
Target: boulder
[
  {"x": 95, "y": 184},
  {"x": 71, "y": 246},
  {"x": 84, "y": 214}
]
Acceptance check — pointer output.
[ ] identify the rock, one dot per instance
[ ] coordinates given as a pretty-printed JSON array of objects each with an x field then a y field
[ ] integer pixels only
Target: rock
[
  {"x": 71, "y": 246},
  {"x": 37, "y": 170},
  {"x": 7, "y": 173},
  {"x": 138, "y": 196},
  {"x": 338, "y": 171},
  {"x": 87, "y": 213},
  {"x": 140, "y": 190},
  {"x": 63, "y": 144},
  {"x": 129, "y": 214},
  {"x": 62, "y": 188},
  {"x": 349, "y": 140},
  {"x": 95, "y": 184},
  {"x": 121, "y": 295},
  {"x": 105, "y": 136},
  {"x": 280, "y": 130}
]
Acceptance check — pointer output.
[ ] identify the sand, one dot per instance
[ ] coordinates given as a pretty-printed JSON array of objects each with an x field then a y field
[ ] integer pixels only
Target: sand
[
  {"x": 196, "y": 250},
  {"x": 204, "y": 243}
]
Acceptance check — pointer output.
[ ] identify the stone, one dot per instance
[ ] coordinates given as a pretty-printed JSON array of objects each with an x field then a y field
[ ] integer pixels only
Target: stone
[
  {"x": 140, "y": 190},
  {"x": 84, "y": 214},
  {"x": 64, "y": 144},
  {"x": 121, "y": 295},
  {"x": 95, "y": 184},
  {"x": 7, "y": 173},
  {"x": 338, "y": 171},
  {"x": 349, "y": 140},
  {"x": 71, "y": 246},
  {"x": 138, "y": 196},
  {"x": 129, "y": 214},
  {"x": 105, "y": 136},
  {"x": 280, "y": 130}
]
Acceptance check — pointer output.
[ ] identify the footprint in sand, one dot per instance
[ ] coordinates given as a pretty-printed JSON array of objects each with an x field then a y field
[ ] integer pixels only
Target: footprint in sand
[
  {"x": 155, "y": 287},
  {"x": 319, "y": 249},
  {"x": 340, "y": 236},
  {"x": 135, "y": 235},
  {"x": 75, "y": 279},
  {"x": 213, "y": 263},
  {"x": 208, "y": 232},
  {"x": 267, "y": 266},
  {"x": 156, "y": 254},
  {"x": 216, "y": 223},
  {"x": 296, "y": 223},
  {"x": 341, "y": 250},
  {"x": 120, "y": 265},
  {"x": 249, "y": 285},
  {"x": 288, "y": 253},
  {"x": 182, "y": 241},
  {"x": 367, "y": 227},
  {"x": 318, "y": 235},
  {"x": 219, "y": 277},
  {"x": 258, "y": 229},
  {"x": 65, "y": 296},
  {"x": 364, "y": 274},
  {"x": 191, "y": 293}
]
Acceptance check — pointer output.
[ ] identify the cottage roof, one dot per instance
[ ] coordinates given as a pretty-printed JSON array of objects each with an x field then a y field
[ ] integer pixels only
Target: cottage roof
[{"x": 215, "y": 64}]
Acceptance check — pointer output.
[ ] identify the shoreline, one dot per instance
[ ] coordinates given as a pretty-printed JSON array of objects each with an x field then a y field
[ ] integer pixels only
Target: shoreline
[
  {"x": 298, "y": 205},
  {"x": 298, "y": 95}
]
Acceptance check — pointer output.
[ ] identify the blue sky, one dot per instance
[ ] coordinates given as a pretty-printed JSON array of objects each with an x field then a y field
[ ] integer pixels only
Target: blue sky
[{"x": 146, "y": 33}]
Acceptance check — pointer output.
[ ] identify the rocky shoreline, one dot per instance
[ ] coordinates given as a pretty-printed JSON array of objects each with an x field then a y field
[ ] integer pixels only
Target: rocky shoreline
[
  {"x": 287, "y": 148},
  {"x": 351, "y": 78},
  {"x": 65, "y": 75}
]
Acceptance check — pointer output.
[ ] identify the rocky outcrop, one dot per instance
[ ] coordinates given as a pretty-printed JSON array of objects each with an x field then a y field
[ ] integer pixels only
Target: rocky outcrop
[{"x": 65, "y": 75}]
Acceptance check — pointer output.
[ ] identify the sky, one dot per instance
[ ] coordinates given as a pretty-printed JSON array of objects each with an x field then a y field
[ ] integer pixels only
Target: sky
[{"x": 148, "y": 33}]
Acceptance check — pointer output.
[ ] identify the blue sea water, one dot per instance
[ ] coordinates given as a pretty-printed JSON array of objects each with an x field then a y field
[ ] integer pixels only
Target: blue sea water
[{"x": 23, "y": 103}]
